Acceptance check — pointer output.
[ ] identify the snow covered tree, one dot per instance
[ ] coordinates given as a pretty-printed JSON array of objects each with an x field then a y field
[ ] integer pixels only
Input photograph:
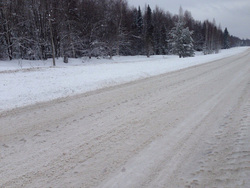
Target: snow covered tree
[
  {"x": 160, "y": 32},
  {"x": 139, "y": 21},
  {"x": 212, "y": 35},
  {"x": 7, "y": 27},
  {"x": 149, "y": 31},
  {"x": 226, "y": 41},
  {"x": 102, "y": 28},
  {"x": 139, "y": 34},
  {"x": 182, "y": 41},
  {"x": 136, "y": 32}
]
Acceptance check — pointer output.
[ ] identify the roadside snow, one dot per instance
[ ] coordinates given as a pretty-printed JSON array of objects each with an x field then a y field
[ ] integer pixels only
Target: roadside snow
[{"x": 28, "y": 82}]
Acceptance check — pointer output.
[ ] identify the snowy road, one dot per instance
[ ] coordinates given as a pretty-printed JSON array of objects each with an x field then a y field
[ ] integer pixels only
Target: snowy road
[{"x": 189, "y": 128}]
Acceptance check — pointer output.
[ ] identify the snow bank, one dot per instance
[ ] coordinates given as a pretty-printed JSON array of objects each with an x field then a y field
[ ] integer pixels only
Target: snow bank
[{"x": 29, "y": 82}]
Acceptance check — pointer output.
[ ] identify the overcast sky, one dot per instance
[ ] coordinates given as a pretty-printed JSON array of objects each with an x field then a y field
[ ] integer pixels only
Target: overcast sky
[{"x": 233, "y": 14}]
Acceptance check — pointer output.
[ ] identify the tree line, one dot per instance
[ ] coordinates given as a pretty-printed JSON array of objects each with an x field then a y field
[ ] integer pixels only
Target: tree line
[{"x": 41, "y": 29}]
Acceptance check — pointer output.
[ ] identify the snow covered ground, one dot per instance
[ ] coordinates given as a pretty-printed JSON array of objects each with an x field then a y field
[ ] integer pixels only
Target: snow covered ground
[
  {"x": 28, "y": 82},
  {"x": 189, "y": 128}
]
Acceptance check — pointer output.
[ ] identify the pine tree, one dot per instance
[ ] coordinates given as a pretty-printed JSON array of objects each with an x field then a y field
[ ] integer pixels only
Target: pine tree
[
  {"x": 160, "y": 32},
  {"x": 149, "y": 31},
  {"x": 226, "y": 42},
  {"x": 182, "y": 41},
  {"x": 188, "y": 43},
  {"x": 138, "y": 37},
  {"x": 101, "y": 28},
  {"x": 139, "y": 21}
]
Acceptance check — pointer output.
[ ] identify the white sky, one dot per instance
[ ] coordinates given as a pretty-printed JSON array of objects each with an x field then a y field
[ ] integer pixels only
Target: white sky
[{"x": 233, "y": 14}]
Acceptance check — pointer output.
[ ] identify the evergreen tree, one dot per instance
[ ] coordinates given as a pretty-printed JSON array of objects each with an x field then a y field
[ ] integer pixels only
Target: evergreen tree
[
  {"x": 137, "y": 40},
  {"x": 188, "y": 43},
  {"x": 101, "y": 28},
  {"x": 149, "y": 32},
  {"x": 139, "y": 21},
  {"x": 160, "y": 32},
  {"x": 226, "y": 42},
  {"x": 182, "y": 41}
]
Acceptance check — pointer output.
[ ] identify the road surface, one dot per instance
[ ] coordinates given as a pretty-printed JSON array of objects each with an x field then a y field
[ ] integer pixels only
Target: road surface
[{"x": 189, "y": 128}]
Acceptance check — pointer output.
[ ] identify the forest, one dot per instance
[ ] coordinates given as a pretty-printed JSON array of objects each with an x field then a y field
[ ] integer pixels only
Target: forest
[{"x": 41, "y": 29}]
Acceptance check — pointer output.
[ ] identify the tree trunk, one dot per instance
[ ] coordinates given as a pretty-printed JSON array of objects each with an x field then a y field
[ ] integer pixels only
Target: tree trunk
[
  {"x": 52, "y": 42},
  {"x": 65, "y": 59}
]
